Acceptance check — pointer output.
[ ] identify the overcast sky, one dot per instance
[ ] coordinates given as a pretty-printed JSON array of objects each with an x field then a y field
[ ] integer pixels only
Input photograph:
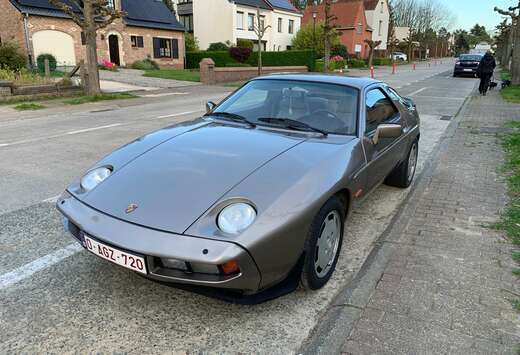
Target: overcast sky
[{"x": 469, "y": 12}]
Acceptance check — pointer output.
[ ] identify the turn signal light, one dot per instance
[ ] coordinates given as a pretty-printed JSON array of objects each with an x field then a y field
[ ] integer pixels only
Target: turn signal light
[{"x": 230, "y": 267}]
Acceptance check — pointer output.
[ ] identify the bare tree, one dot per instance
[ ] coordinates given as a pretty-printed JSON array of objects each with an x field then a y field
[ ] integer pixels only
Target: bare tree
[
  {"x": 371, "y": 45},
  {"x": 514, "y": 13},
  {"x": 92, "y": 16},
  {"x": 260, "y": 29},
  {"x": 329, "y": 31}
]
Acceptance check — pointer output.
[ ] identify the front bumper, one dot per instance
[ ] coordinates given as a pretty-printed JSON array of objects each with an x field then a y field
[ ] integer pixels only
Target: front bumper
[{"x": 154, "y": 244}]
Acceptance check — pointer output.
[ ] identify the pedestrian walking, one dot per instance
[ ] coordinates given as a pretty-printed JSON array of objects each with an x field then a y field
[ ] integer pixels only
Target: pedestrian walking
[{"x": 485, "y": 72}]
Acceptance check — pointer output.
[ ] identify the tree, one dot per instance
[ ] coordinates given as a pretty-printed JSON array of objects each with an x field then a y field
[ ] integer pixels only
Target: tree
[
  {"x": 514, "y": 13},
  {"x": 478, "y": 34},
  {"x": 91, "y": 15},
  {"x": 329, "y": 32},
  {"x": 260, "y": 29},
  {"x": 304, "y": 39},
  {"x": 169, "y": 5},
  {"x": 461, "y": 42},
  {"x": 371, "y": 45},
  {"x": 192, "y": 43}
]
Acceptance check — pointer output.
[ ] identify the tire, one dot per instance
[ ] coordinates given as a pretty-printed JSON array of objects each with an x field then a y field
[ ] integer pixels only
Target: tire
[
  {"x": 315, "y": 274},
  {"x": 454, "y": 75},
  {"x": 402, "y": 176}
]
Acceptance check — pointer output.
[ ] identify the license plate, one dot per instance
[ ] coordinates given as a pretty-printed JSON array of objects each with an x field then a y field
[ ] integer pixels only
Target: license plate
[
  {"x": 127, "y": 260},
  {"x": 468, "y": 69}
]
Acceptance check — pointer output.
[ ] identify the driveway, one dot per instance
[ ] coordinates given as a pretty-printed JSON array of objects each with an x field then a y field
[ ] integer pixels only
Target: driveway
[{"x": 135, "y": 77}]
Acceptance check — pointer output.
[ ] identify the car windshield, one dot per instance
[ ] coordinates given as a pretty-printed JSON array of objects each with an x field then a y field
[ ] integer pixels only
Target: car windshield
[
  {"x": 320, "y": 107},
  {"x": 471, "y": 57}
]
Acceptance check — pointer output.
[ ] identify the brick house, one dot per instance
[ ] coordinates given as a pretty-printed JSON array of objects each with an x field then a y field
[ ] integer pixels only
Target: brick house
[
  {"x": 351, "y": 23},
  {"x": 149, "y": 29}
]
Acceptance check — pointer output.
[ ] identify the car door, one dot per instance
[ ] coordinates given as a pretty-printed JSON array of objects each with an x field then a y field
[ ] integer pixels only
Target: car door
[{"x": 383, "y": 156}]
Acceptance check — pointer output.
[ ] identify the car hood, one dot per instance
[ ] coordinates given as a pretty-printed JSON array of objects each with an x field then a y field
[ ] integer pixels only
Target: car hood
[{"x": 175, "y": 182}]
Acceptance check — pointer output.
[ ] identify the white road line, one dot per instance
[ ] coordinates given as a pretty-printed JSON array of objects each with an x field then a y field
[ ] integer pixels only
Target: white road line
[
  {"x": 4, "y": 145},
  {"x": 165, "y": 94},
  {"x": 178, "y": 114},
  {"x": 93, "y": 129},
  {"x": 417, "y": 91},
  {"x": 52, "y": 199},
  {"x": 27, "y": 270}
]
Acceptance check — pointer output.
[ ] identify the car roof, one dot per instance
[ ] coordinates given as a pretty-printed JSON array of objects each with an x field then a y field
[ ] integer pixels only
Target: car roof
[{"x": 355, "y": 82}]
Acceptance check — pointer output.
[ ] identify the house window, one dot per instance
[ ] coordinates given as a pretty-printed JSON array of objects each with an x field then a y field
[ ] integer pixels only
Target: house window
[
  {"x": 382, "y": 6},
  {"x": 380, "y": 27},
  {"x": 137, "y": 41},
  {"x": 251, "y": 22},
  {"x": 291, "y": 26},
  {"x": 359, "y": 29},
  {"x": 280, "y": 24},
  {"x": 165, "y": 48},
  {"x": 262, "y": 22},
  {"x": 240, "y": 20},
  {"x": 110, "y": 4},
  {"x": 187, "y": 21}
]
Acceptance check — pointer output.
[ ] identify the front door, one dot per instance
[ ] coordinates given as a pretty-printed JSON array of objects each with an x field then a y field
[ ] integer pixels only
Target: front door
[{"x": 113, "y": 45}]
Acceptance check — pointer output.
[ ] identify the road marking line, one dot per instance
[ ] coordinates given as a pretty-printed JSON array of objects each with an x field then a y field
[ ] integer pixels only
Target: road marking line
[
  {"x": 165, "y": 94},
  {"x": 27, "y": 270},
  {"x": 178, "y": 114},
  {"x": 417, "y": 91},
  {"x": 93, "y": 129},
  {"x": 52, "y": 199},
  {"x": 442, "y": 98},
  {"x": 4, "y": 145}
]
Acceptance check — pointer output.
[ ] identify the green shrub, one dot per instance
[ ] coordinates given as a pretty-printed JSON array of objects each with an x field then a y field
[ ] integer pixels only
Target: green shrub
[
  {"x": 145, "y": 64},
  {"x": 40, "y": 61},
  {"x": 269, "y": 59},
  {"x": 319, "y": 66},
  {"x": 192, "y": 43},
  {"x": 11, "y": 57},
  {"x": 356, "y": 63},
  {"x": 245, "y": 43},
  {"x": 339, "y": 49},
  {"x": 221, "y": 58},
  {"x": 382, "y": 61},
  {"x": 218, "y": 46}
]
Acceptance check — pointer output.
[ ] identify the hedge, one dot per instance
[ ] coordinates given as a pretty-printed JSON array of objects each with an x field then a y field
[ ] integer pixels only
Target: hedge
[
  {"x": 382, "y": 61},
  {"x": 269, "y": 59}
]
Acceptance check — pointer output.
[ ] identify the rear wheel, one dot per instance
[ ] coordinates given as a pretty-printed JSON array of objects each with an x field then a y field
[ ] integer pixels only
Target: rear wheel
[
  {"x": 323, "y": 244},
  {"x": 403, "y": 174}
]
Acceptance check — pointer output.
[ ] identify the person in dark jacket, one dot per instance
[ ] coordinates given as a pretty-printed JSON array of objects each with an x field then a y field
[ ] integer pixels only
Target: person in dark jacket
[{"x": 485, "y": 72}]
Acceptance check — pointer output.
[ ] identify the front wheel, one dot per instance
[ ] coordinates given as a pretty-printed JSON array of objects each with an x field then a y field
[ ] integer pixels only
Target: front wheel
[
  {"x": 402, "y": 176},
  {"x": 323, "y": 244}
]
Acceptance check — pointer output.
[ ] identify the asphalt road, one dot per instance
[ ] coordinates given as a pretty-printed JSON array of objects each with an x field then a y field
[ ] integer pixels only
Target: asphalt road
[{"x": 55, "y": 297}]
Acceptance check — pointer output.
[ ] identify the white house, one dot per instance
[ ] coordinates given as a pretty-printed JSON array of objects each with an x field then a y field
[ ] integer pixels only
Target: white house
[
  {"x": 377, "y": 13},
  {"x": 230, "y": 20}
]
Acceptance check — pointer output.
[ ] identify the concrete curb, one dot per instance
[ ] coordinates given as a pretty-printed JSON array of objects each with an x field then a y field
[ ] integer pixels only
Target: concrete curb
[{"x": 337, "y": 323}]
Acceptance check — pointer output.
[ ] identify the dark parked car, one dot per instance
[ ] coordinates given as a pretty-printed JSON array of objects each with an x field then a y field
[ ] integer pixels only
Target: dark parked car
[
  {"x": 265, "y": 179},
  {"x": 467, "y": 64}
]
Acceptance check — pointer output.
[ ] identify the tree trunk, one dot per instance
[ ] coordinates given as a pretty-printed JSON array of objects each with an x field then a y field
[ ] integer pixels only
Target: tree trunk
[
  {"x": 259, "y": 56},
  {"x": 370, "y": 56},
  {"x": 92, "y": 77},
  {"x": 515, "y": 66}
]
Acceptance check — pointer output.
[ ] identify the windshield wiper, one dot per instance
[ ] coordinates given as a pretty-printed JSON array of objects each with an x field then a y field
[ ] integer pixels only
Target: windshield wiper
[
  {"x": 232, "y": 116},
  {"x": 293, "y": 124}
]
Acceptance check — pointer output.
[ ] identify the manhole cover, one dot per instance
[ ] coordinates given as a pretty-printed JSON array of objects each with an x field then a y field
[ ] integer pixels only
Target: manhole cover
[{"x": 446, "y": 118}]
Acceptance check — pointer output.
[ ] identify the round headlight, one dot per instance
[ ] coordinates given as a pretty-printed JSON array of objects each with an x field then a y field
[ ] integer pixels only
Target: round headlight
[
  {"x": 236, "y": 217},
  {"x": 94, "y": 177}
]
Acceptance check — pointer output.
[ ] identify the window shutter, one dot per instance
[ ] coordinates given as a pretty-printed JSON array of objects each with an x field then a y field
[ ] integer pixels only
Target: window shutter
[
  {"x": 156, "y": 47},
  {"x": 175, "y": 48},
  {"x": 140, "y": 42},
  {"x": 83, "y": 39}
]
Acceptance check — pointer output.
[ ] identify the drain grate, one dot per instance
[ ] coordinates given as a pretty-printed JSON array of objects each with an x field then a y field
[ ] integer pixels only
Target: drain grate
[{"x": 446, "y": 118}]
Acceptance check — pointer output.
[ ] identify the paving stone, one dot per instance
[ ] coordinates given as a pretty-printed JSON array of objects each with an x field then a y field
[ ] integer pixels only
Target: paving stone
[{"x": 447, "y": 288}]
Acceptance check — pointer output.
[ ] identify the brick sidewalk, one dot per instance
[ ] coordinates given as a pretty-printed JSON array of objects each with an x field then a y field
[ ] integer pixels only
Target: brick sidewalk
[{"x": 446, "y": 288}]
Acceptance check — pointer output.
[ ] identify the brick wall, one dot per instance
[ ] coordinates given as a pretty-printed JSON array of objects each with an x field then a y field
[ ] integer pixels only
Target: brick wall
[
  {"x": 11, "y": 24},
  {"x": 127, "y": 54}
]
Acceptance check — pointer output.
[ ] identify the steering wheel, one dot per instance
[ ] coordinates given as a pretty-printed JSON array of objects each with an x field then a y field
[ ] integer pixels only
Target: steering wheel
[{"x": 325, "y": 119}]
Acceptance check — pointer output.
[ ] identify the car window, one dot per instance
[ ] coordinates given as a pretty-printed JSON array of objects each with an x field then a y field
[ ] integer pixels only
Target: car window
[
  {"x": 379, "y": 109},
  {"x": 471, "y": 57},
  {"x": 330, "y": 107}
]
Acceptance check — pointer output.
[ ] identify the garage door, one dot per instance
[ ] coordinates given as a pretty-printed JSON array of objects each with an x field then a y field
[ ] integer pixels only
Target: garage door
[{"x": 57, "y": 43}]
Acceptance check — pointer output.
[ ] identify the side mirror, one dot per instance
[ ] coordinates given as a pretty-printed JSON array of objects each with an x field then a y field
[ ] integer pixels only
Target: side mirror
[
  {"x": 210, "y": 105},
  {"x": 387, "y": 131}
]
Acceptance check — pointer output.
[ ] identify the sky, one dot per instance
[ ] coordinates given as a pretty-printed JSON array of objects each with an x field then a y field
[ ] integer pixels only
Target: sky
[{"x": 469, "y": 12}]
